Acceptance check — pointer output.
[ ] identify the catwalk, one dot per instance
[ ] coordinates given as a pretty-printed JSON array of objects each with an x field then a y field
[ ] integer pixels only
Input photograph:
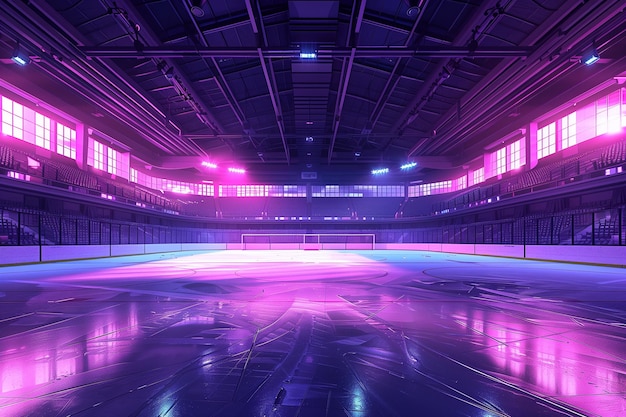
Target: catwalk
[{"x": 312, "y": 334}]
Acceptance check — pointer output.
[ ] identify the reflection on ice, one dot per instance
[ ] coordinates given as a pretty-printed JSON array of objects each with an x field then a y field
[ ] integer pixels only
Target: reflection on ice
[{"x": 313, "y": 334}]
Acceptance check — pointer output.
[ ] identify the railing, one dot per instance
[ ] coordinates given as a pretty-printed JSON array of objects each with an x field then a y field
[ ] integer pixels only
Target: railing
[{"x": 591, "y": 227}]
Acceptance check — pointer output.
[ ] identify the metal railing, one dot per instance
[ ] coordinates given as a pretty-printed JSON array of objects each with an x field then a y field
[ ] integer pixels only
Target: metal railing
[{"x": 593, "y": 227}]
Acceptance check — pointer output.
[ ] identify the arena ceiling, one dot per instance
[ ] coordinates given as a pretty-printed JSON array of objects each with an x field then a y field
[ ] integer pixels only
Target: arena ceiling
[{"x": 433, "y": 81}]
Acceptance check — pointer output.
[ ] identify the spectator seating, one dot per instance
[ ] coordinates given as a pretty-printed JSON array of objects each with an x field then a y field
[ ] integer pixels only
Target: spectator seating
[
  {"x": 287, "y": 207},
  {"x": 371, "y": 207},
  {"x": 340, "y": 207},
  {"x": 242, "y": 207}
]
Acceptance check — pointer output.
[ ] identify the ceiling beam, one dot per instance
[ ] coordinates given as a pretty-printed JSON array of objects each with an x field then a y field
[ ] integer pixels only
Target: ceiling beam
[
  {"x": 213, "y": 66},
  {"x": 181, "y": 84},
  {"x": 436, "y": 77},
  {"x": 443, "y": 51},
  {"x": 346, "y": 71},
  {"x": 93, "y": 80},
  {"x": 269, "y": 79},
  {"x": 393, "y": 79},
  {"x": 530, "y": 75}
]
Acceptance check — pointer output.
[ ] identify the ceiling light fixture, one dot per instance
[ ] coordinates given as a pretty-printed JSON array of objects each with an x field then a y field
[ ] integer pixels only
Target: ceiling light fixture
[
  {"x": 209, "y": 164},
  {"x": 308, "y": 51},
  {"x": 308, "y": 55},
  {"x": 414, "y": 7},
  {"x": 380, "y": 171},
  {"x": 20, "y": 56},
  {"x": 408, "y": 166},
  {"x": 590, "y": 58},
  {"x": 196, "y": 8}
]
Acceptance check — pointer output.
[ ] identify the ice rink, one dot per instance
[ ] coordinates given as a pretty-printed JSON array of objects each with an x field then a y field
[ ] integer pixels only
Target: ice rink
[{"x": 312, "y": 334}]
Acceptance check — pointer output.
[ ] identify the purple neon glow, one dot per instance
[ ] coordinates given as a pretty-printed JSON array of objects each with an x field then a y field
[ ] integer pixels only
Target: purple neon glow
[
  {"x": 380, "y": 171},
  {"x": 181, "y": 189},
  {"x": 415, "y": 324},
  {"x": 208, "y": 164}
]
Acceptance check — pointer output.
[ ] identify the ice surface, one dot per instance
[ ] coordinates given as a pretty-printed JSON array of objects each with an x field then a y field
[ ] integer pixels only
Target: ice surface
[{"x": 312, "y": 334}]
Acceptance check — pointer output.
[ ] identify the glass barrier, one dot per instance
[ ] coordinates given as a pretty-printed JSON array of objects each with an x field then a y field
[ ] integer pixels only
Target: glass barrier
[{"x": 600, "y": 227}]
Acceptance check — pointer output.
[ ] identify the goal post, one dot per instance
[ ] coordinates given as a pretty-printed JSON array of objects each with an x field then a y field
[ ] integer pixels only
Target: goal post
[{"x": 308, "y": 241}]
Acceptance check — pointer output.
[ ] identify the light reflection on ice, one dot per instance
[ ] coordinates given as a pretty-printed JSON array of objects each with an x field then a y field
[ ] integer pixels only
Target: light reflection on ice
[{"x": 316, "y": 323}]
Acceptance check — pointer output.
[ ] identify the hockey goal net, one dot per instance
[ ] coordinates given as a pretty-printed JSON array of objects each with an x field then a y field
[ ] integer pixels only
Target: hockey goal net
[{"x": 309, "y": 241}]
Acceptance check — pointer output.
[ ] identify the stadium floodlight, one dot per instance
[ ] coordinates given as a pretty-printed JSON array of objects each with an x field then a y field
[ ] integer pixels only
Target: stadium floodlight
[
  {"x": 236, "y": 170},
  {"x": 19, "y": 56},
  {"x": 590, "y": 58},
  {"x": 209, "y": 164},
  {"x": 380, "y": 171},
  {"x": 308, "y": 51},
  {"x": 408, "y": 166}
]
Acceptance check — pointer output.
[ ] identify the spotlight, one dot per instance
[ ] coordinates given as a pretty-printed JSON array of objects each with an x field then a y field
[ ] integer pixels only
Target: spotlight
[
  {"x": 408, "y": 166},
  {"x": 308, "y": 51},
  {"x": 308, "y": 55},
  {"x": 20, "y": 56},
  {"x": 209, "y": 164},
  {"x": 357, "y": 154},
  {"x": 590, "y": 58},
  {"x": 413, "y": 11},
  {"x": 380, "y": 171},
  {"x": 196, "y": 8},
  {"x": 309, "y": 139},
  {"x": 237, "y": 170}
]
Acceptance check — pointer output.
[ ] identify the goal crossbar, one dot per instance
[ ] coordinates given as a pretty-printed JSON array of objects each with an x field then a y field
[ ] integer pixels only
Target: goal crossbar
[{"x": 308, "y": 241}]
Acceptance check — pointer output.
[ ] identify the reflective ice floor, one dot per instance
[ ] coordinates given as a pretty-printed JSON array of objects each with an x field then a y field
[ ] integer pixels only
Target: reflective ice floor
[{"x": 312, "y": 334}]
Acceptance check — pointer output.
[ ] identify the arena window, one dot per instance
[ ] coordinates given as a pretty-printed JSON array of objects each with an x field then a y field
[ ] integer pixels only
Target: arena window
[
  {"x": 461, "y": 183},
  {"x": 568, "y": 130},
  {"x": 42, "y": 131},
  {"x": 546, "y": 140},
  {"x": 478, "y": 176},
  {"x": 97, "y": 155},
  {"x": 517, "y": 158},
  {"x": 12, "y": 118},
  {"x": 608, "y": 117},
  {"x": 66, "y": 140},
  {"x": 500, "y": 160}
]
